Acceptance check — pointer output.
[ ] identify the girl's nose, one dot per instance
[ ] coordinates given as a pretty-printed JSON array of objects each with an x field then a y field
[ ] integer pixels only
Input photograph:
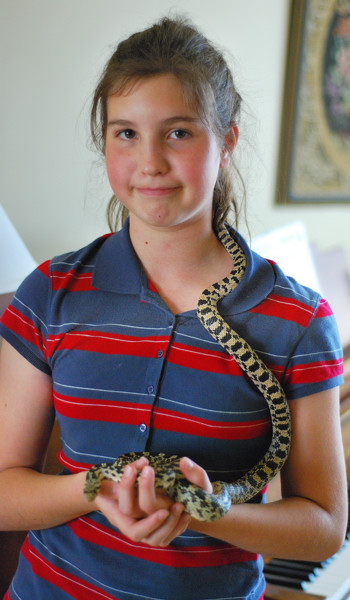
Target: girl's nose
[{"x": 152, "y": 160}]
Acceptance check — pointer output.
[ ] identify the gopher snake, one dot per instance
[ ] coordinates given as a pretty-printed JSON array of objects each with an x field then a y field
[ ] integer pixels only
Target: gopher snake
[{"x": 200, "y": 504}]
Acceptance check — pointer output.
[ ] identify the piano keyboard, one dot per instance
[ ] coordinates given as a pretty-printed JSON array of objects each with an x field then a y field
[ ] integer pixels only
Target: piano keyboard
[{"x": 328, "y": 580}]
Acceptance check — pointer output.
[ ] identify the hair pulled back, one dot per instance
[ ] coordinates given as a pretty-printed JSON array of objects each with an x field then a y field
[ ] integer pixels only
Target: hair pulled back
[{"x": 174, "y": 46}]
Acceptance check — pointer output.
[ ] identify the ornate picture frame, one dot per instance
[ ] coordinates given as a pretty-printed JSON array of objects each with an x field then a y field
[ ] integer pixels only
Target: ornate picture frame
[{"x": 314, "y": 157}]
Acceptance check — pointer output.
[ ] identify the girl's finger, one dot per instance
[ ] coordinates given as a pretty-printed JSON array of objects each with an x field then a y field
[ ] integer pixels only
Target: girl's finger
[
  {"x": 149, "y": 498},
  {"x": 178, "y": 529},
  {"x": 127, "y": 492},
  {"x": 140, "y": 463},
  {"x": 135, "y": 528},
  {"x": 176, "y": 523},
  {"x": 195, "y": 474},
  {"x": 146, "y": 492},
  {"x": 141, "y": 530}
]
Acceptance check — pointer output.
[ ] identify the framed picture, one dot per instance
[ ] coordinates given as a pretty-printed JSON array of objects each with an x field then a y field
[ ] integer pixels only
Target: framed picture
[{"x": 314, "y": 157}]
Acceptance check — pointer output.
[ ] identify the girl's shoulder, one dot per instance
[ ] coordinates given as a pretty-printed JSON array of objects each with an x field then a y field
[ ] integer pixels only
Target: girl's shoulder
[
  {"x": 289, "y": 287},
  {"x": 265, "y": 281},
  {"x": 76, "y": 260}
]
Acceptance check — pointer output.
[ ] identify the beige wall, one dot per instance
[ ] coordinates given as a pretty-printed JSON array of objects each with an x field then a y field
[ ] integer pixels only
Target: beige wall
[{"x": 52, "y": 185}]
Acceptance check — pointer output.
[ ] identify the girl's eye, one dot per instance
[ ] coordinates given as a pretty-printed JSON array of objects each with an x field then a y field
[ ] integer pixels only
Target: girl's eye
[
  {"x": 126, "y": 134},
  {"x": 179, "y": 134}
]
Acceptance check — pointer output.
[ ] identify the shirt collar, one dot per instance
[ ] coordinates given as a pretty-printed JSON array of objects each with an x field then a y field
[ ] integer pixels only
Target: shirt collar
[
  {"x": 119, "y": 270},
  {"x": 257, "y": 282},
  {"x": 117, "y": 267}
]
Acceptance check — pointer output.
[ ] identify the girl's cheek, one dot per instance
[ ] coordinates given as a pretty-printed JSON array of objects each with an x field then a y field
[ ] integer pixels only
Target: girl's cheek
[{"x": 112, "y": 166}]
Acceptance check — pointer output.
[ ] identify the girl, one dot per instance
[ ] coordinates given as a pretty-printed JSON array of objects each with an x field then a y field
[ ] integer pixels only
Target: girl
[{"x": 107, "y": 339}]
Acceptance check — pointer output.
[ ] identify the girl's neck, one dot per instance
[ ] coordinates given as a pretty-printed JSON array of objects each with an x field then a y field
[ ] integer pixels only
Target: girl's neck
[
  {"x": 182, "y": 248},
  {"x": 181, "y": 263}
]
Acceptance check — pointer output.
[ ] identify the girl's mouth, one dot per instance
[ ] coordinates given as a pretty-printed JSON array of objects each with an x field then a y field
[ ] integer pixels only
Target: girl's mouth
[{"x": 156, "y": 191}]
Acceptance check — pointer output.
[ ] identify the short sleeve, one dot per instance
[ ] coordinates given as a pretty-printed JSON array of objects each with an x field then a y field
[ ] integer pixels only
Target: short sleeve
[
  {"x": 24, "y": 323},
  {"x": 316, "y": 362}
]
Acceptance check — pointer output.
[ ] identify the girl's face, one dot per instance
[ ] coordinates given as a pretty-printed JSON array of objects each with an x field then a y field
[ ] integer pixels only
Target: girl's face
[{"x": 162, "y": 161}]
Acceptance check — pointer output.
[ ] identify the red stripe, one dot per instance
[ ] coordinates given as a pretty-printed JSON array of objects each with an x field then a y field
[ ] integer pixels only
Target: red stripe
[
  {"x": 195, "y": 556},
  {"x": 179, "y": 354},
  {"x": 45, "y": 268},
  {"x": 108, "y": 343},
  {"x": 102, "y": 410},
  {"x": 152, "y": 287},
  {"x": 167, "y": 420},
  {"x": 315, "y": 372},
  {"x": 324, "y": 310},
  {"x": 23, "y": 327},
  {"x": 72, "y": 281},
  {"x": 76, "y": 588},
  {"x": 73, "y": 466},
  {"x": 203, "y": 360},
  {"x": 7, "y": 596},
  {"x": 285, "y": 308}
]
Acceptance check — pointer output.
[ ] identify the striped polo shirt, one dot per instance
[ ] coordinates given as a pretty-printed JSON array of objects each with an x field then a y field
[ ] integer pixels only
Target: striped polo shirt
[{"x": 128, "y": 375}]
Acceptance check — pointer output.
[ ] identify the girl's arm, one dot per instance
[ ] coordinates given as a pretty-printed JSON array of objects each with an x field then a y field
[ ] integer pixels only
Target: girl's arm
[
  {"x": 32, "y": 500},
  {"x": 28, "y": 498},
  {"x": 309, "y": 522}
]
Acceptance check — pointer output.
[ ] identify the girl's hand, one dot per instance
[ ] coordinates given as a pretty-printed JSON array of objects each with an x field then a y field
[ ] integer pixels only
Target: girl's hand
[{"x": 141, "y": 512}]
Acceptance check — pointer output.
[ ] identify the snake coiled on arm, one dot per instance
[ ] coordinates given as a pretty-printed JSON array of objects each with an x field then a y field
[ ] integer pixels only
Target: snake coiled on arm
[{"x": 198, "y": 503}]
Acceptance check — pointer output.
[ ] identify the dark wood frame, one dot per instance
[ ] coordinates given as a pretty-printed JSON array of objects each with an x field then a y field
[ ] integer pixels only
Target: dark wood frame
[{"x": 313, "y": 166}]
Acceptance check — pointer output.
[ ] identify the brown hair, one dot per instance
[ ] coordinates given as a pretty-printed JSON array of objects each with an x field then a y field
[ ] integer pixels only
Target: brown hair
[{"x": 174, "y": 46}]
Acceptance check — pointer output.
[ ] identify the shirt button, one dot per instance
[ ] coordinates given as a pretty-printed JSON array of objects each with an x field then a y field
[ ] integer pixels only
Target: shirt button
[
  {"x": 143, "y": 427},
  {"x": 160, "y": 353},
  {"x": 150, "y": 389}
]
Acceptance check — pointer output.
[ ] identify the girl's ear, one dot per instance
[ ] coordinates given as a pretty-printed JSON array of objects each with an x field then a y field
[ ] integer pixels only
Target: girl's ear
[{"x": 231, "y": 140}]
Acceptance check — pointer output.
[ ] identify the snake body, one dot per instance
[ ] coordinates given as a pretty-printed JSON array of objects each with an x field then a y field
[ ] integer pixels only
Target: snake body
[{"x": 198, "y": 503}]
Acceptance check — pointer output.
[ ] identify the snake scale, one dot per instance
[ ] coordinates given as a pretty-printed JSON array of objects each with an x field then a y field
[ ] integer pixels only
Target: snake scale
[{"x": 198, "y": 503}]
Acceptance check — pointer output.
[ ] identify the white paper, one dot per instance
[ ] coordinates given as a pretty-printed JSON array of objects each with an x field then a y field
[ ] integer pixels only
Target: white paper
[{"x": 289, "y": 247}]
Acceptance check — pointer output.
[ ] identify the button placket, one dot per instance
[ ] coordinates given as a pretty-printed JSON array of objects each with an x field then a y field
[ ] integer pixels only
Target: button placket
[{"x": 154, "y": 373}]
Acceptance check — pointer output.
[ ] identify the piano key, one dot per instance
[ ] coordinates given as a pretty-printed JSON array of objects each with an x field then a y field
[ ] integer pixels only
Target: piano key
[
  {"x": 322, "y": 564},
  {"x": 296, "y": 564},
  {"x": 288, "y": 582},
  {"x": 297, "y": 574}
]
